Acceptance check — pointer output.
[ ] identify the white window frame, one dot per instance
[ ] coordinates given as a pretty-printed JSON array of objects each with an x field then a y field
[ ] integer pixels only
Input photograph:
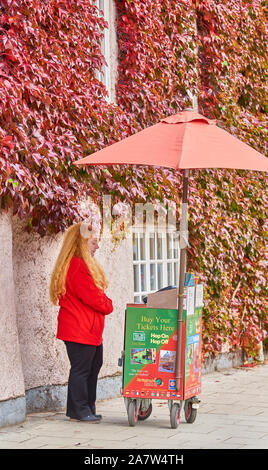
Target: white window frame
[
  {"x": 109, "y": 48},
  {"x": 142, "y": 243}
]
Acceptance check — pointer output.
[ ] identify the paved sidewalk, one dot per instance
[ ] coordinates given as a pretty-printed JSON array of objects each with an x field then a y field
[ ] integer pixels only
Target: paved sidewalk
[{"x": 233, "y": 414}]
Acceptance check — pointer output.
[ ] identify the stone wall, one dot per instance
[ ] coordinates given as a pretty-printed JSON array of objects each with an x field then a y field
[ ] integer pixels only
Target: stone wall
[{"x": 12, "y": 390}]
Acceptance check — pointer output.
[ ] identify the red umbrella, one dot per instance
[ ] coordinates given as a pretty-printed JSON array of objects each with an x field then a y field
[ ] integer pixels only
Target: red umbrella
[{"x": 185, "y": 141}]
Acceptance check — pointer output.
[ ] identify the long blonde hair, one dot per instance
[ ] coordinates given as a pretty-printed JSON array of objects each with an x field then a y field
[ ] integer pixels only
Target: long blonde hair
[{"x": 73, "y": 245}]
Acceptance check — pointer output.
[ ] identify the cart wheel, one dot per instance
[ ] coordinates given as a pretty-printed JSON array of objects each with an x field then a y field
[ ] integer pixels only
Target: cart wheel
[
  {"x": 145, "y": 414},
  {"x": 175, "y": 415},
  {"x": 189, "y": 411},
  {"x": 132, "y": 413}
]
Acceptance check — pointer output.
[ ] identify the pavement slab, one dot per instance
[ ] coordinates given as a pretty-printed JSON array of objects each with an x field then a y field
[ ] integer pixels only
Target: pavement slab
[{"x": 233, "y": 414}]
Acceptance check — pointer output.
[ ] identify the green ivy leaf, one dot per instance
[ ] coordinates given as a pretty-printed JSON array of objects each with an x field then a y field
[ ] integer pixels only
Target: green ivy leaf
[{"x": 13, "y": 182}]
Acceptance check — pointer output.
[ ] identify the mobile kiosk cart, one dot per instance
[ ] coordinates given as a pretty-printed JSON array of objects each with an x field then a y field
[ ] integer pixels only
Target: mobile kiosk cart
[{"x": 149, "y": 355}]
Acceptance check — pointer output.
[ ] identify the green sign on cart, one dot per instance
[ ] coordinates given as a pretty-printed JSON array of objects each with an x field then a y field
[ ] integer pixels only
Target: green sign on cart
[{"x": 150, "y": 351}]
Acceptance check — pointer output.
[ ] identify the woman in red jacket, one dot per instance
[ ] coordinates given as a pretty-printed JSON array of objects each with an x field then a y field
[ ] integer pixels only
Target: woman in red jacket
[{"x": 77, "y": 285}]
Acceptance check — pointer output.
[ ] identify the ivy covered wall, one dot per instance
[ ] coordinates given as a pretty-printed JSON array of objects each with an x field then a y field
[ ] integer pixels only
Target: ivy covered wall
[{"x": 53, "y": 111}]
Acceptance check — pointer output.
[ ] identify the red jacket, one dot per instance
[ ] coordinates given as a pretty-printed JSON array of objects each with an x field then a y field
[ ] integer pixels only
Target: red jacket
[{"x": 83, "y": 307}]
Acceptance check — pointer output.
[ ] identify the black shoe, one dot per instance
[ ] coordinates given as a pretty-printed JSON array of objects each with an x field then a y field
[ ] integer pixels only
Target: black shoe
[
  {"x": 93, "y": 410},
  {"x": 90, "y": 419}
]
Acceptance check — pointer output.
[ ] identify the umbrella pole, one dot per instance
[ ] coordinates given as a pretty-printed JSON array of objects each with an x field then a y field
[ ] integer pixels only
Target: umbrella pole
[{"x": 183, "y": 264}]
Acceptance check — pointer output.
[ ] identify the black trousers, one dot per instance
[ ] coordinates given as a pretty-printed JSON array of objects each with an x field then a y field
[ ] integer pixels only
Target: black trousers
[{"x": 86, "y": 361}]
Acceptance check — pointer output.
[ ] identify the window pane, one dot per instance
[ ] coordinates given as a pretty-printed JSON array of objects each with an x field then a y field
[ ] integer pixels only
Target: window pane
[
  {"x": 169, "y": 246},
  {"x": 176, "y": 274},
  {"x": 152, "y": 276},
  {"x": 136, "y": 278},
  {"x": 135, "y": 246},
  {"x": 152, "y": 245},
  {"x": 142, "y": 246},
  {"x": 143, "y": 277},
  {"x": 170, "y": 273},
  {"x": 159, "y": 246},
  {"x": 159, "y": 276},
  {"x": 137, "y": 299},
  {"x": 176, "y": 247}
]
